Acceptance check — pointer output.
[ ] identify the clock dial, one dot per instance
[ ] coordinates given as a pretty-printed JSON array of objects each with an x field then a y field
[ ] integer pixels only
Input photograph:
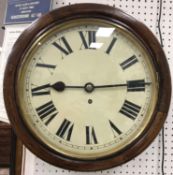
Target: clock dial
[{"x": 81, "y": 85}]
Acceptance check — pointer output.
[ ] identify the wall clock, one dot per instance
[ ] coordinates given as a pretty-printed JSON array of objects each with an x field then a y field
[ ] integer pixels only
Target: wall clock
[{"x": 87, "y": 87}]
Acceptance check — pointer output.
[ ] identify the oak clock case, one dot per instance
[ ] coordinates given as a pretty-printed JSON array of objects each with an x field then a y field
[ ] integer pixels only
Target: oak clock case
[{"x": 87, "y": 87}]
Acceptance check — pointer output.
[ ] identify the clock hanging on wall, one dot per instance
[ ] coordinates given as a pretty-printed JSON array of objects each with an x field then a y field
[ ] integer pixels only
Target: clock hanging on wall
[{"x": 87, "y": 87}]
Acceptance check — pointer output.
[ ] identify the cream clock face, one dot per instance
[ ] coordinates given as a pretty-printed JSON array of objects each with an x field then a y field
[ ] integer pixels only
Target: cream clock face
[{"x": 87, "y": 89}]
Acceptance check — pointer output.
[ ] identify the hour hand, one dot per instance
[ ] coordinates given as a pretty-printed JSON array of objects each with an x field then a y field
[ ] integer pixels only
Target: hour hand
[{"x": 61, "y": 86}]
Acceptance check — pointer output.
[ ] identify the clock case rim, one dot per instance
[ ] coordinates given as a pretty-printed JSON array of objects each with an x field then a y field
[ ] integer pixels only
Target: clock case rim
[{"x": 66, "y": 14}]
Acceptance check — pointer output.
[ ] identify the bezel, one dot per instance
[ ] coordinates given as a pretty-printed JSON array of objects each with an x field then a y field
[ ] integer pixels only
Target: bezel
[
  {"x": 35, "y": 127},
  {"x": 57, "y": 17}
]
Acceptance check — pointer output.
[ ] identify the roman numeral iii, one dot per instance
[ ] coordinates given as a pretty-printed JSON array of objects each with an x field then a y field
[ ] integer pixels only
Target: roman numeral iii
[
  {"x": 90, "y": 135},
  {"x": 63, "y": 46},
  {"x": 130, "y": 110},
  {"x": 65, "y": 130},
  {"x": 47, "y": 112},
  {"x": 87, "y": 38},
  {"x": 135, "y": 85}
]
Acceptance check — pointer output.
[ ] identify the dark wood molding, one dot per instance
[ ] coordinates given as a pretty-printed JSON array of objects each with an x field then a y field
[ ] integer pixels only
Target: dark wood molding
[
  {"x": 5, "y": 144},
  {"x": 18, "y": 157},
  {"x": 77, "y": 12},
  {"x": 10, "y": 150}
]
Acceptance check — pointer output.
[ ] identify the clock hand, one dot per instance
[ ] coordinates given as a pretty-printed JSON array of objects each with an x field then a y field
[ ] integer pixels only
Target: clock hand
[
  {"x": 119, "y": 85},
  {"x": 60, "y": 86},
  {"x": 88, "y": 87}
]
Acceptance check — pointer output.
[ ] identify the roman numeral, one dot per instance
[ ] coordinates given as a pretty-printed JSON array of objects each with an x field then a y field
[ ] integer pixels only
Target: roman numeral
[
  {"x": 87, "y": 38},
  {"x": 90, "y": 135},
  {"x": 111, "y": 45},
  {"x": 129, "y": 62},
  {"x": 41, "y": 90},
  {"x": 135, "y": 85},
  {"x": 65, "y": 130},
  {"x": 46, "y": 65},
  {"x": 65, "y": 49},
  {"x": 114, "y": 128},
  {"x": 47, "y": 112},
  {"x": 130, "y": 110}
]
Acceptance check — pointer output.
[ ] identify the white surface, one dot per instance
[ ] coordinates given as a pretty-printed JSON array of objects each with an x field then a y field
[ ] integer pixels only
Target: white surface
[
  {"x": 11, "y": 34},
  {"x": 28, "y": 162},
  {"x": 149, "y": 162}
]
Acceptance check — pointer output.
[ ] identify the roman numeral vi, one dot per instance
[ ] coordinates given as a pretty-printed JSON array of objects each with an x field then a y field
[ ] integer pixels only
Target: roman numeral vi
[
  {"x": 90, "y": 135},
  {"x": 41, "y": 90}
]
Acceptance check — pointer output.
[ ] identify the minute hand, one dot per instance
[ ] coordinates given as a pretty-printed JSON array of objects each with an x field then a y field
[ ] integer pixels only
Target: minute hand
[
  {"x": 134, "y": 85},
  {"x": 89, "y": 87},
  {"x": 119, "y": 85}
]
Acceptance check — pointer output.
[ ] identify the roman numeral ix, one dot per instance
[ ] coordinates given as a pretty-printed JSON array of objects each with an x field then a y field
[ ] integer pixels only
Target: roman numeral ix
[
  {"x": 47, "y": 112},
  {"x": 65, "y": 130},
  {"x": 130, "y": 110},
  {"x": 41, "y": 90}
]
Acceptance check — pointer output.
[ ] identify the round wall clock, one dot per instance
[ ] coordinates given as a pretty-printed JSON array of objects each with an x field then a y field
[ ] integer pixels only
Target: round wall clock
[{"x": 87, "y": 87}]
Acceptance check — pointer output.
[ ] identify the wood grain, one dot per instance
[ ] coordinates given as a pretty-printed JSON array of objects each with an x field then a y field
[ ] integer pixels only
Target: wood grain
[
  {"x": 5, "y": 144},
  {"x": 10, "y": 151}
]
